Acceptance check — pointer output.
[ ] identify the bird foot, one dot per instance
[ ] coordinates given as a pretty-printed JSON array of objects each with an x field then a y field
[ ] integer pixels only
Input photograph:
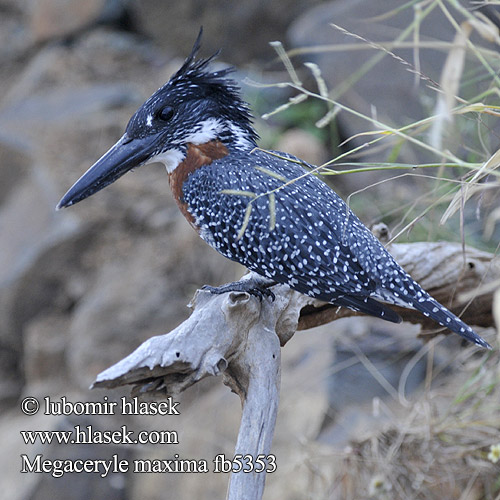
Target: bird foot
[{"x": 257, "y": 288}]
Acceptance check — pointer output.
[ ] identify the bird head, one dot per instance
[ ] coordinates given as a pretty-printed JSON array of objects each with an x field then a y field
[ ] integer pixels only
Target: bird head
[{"x": 195, "y": 106}]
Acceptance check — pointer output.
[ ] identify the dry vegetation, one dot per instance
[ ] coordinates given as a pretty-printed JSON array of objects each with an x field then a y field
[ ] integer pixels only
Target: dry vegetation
[
  {"x": 445, "y": 443},
  {"x": 440, "y": 448}
]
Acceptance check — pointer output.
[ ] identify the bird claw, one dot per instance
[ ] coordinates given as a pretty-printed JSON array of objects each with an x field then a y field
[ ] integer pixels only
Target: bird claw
[
  {"x": 247, "y": 286},
  {"x": 261, "y": 292}
]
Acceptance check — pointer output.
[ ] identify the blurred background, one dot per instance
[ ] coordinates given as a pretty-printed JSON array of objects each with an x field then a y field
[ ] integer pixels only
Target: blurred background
[{"x": 81, "y": 288}]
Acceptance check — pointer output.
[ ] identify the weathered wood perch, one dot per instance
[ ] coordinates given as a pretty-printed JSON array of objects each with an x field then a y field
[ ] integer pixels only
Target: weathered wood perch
[{"x": 239, "y": 337}]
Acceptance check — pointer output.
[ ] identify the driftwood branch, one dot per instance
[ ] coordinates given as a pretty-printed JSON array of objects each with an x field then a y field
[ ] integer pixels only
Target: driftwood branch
[
  {"x": 238, "y": 336},
  {"x": 233, "y": 334}
]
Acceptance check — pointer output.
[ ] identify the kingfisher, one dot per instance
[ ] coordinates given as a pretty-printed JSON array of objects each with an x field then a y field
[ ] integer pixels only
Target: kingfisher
[{"x": 263, "y": 209}]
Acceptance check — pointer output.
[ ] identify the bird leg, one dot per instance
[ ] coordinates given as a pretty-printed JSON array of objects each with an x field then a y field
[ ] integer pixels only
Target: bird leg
[{"x": 253, "y": 285}]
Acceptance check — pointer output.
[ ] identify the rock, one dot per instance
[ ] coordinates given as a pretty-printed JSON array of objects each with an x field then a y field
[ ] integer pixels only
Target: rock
[
  {"x": 11, "y": 375},
  {"x": 28, "y": 208},
  {"x": 304, "y": 145},
  {"x": 45, "y": 343},
  {"x": 229, "y": 26},
  {"x": 71, "y": 485},
  {"x": 39, "y": 285},
  {"x": 59, "y": 18},
  {"x": 57, "y": 262},
  {"x": 13, "y": 6},
  {"x": 138, "y": 293},
  {"x": 15, "y": 167},
  {"x": 365, "y": 354},
  {"x": 37, "y": 129},
  {"x": 15, "y": 37},
  {"x": 28, "y": 227},
  {"x": 387, "y": 348},
  {"x": 14, "y": 485},
  {"x": 23, "y": 120}
]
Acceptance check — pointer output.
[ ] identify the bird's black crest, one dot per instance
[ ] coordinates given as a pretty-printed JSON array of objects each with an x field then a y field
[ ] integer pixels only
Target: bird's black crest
[
  {"x": 196, "y": 70},
  {"x": 195, "y": 82},
  {"x": 192, "y": 66}
]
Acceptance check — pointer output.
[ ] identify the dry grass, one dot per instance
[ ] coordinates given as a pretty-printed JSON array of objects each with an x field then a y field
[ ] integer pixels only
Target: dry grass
[
  {"x": 437, "y": 447},
  {"x": 441, "y": 447},
  {"x": 460, "y": 106}
]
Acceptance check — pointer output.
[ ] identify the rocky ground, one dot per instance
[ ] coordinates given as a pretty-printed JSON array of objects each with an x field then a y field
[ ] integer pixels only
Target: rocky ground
[{"x": 81, "y": 288}]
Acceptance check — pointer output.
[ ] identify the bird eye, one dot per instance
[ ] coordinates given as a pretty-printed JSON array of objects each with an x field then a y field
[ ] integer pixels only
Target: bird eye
[{"x": 166, "y": 113}]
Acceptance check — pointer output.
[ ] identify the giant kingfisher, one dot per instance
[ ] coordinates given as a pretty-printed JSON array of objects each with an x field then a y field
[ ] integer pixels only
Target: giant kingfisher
[{"x": 260, "y": 208}]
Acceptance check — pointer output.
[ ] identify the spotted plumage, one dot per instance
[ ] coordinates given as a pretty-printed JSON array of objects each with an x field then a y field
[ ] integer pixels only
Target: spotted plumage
[{"x": 255, "y": 207}]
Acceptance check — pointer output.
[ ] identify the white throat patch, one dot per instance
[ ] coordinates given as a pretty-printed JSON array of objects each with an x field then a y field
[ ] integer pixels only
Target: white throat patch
[
  {"x": 206, "y": 131},
  {"x": 170, "y": 159}
]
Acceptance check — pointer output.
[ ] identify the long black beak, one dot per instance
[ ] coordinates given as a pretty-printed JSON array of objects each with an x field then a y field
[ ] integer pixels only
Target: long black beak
[{"x": 126, "y": 154}]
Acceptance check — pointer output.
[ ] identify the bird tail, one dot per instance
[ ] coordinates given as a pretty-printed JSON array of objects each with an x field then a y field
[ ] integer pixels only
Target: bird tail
[
  {"x": 431, "y": 308},
  {"x": 369, "y": 306}
]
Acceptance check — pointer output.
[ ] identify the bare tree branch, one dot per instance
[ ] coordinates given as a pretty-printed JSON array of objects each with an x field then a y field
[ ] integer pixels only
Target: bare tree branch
[
  {"x": 234, "y": 334},
  {"x": 238, "y": 336}
]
